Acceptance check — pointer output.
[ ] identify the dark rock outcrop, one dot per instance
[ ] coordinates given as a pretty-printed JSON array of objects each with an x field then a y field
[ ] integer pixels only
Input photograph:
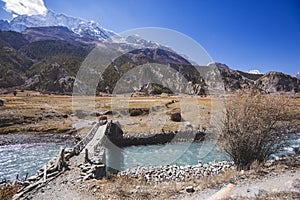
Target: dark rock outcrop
[
  {"x": 138, "y": 111},
  {"x": 176, "y": 117}
]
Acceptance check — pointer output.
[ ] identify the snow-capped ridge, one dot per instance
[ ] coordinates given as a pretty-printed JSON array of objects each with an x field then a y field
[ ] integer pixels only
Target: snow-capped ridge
[
  {"x": 77, "y": 25},
  {"x": 298, "y": 75},
  {"x": 254, "y": 71}
]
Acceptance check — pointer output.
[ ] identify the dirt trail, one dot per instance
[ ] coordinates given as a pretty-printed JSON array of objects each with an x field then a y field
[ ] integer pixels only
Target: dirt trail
[
  {"x": 251, "y": 188},
  {"x": 66, "y": 186}
]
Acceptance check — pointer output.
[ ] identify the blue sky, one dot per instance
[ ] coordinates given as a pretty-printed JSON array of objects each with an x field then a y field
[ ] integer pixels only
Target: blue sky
[{"x": 244, "y": 34}]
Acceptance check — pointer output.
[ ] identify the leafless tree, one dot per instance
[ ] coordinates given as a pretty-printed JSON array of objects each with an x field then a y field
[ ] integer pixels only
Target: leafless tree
[{"x": 255, "y": 127}]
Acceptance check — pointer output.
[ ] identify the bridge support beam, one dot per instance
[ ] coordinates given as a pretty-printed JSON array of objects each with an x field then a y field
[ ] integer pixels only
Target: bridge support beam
[
  {"x": 86, "y": 156},
  {"x": 100, "y": 171}
]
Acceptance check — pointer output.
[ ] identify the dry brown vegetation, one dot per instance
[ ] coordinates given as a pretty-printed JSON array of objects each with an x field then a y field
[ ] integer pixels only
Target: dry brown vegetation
[
  {"x": 255, "y": 127},
  {"x": 129, "y": 188},
  {"x": 7, "y": 192},
  {"x": 32, "y": 112},
  {"x": 37, "y": 113}
]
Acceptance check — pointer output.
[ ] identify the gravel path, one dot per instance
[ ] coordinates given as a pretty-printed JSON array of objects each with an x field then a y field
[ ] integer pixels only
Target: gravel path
[
  {"x": 67, "y": 187},
  {"x": 283, "y": 182},
  {"x": 251, "y": 188}
]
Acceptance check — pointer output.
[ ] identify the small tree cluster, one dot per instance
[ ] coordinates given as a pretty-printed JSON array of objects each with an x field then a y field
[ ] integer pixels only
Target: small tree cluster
[{"x": 254, "y": 128}]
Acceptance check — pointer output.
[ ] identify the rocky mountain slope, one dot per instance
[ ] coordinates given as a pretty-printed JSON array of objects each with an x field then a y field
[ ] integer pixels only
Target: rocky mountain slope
[
  {"x": 49, "y": 33},
  {"x": 278, "y": 82},
  {"x": 47, "y": 59},
  {"x": 271, "y": 82}
]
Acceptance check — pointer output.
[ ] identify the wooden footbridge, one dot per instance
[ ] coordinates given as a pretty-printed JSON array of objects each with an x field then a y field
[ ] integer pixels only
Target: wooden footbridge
[{"x": 88, "y": 155}]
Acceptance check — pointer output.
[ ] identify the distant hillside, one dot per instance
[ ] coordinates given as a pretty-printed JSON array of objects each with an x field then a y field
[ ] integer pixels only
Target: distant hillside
[
  {"x": 27, "y": 64},
  {"x": 49, "y": 33},
  {"x": 13, "y": 64},
  {"x": 278, "y": 82},
  {"x": 271, "y": 82},
  {"x": 47, "y": 59},
  {"x": 54, "y": 48},
  {"x": 13, "y": 39}
]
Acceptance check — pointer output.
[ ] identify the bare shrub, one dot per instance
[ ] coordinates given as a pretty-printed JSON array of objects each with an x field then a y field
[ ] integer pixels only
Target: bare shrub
[
  {"x": 7, "y": 192},
  {"x": 254, "y": 128}
]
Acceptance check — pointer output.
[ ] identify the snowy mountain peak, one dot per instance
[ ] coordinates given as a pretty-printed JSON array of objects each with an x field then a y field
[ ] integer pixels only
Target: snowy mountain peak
[
  {"x": 80, "y": 26},
  {"x": 298, "y": 75},
  {"x": 254, "y": 71}
]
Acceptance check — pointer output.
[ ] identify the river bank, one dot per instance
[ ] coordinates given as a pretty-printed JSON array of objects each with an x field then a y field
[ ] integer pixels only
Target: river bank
[
  {"x": 161, "y": 174},
  {"x": 177, "y": 173},
  {"x": 283, "y": 174},
  {"x": 180, "y": 157},
  {"x": 13, "y": 139}
]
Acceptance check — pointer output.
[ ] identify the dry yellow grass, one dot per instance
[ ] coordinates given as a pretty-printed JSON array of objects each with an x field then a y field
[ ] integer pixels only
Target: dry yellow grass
[
  {"x": 200, "y": 111},
  {"x": 30, "y": 103}
]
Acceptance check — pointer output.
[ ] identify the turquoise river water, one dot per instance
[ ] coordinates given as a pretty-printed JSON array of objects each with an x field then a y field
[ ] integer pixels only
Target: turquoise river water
[{"x": 28, "y": 158}]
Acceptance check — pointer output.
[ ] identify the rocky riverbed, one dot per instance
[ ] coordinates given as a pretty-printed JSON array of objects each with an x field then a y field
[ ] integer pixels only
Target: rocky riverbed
[
  {"x": 11, "y": 139},
  {"x": 176, "y": 173},
  {"x": 198, "y": 182}
]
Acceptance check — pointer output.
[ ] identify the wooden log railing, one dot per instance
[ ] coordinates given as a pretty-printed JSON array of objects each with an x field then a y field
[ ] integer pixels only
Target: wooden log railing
[{"x": 81, "y": 145}]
